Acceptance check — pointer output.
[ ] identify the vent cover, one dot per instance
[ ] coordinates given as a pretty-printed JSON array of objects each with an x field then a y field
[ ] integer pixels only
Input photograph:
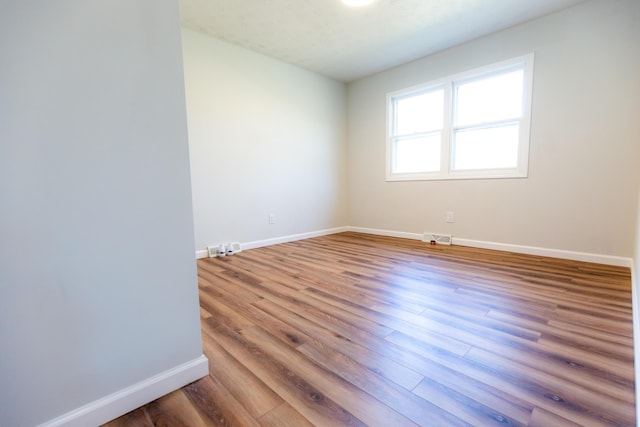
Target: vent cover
[{"x": 440, "y": 239}]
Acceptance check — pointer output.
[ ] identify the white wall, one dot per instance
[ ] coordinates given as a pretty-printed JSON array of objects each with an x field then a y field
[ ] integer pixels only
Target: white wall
[
  {"x": 97, "y": 278},
  {"x": 265, "y": 138},
  {"x": 636, "y": 256},
  {"x": 581, "y": 191},
  {"x": 635, "y": 285}
]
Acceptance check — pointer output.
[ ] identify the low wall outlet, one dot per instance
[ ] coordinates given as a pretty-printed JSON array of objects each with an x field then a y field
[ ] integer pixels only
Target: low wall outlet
[
  {"x": 272, "y": 218},
  {"x": 213, "y": 251},
  {"x": 450, "y": 217}
]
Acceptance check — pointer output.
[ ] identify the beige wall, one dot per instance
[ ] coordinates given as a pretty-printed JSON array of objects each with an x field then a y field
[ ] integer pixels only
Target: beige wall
[
  {"x": 637, "y": 246},
  {"x": 636, "y": 258},
  {"x": 581, "y": 193},
  {"x": 265, "y": 138}
]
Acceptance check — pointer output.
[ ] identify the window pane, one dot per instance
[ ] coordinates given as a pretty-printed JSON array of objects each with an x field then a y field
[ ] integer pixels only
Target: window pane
[
  {"x": 419, "y": 113},
  {"x": 491, "y": 99},
  {"x": 487, "y": 148},
  {"x": 417, "y": 154}
]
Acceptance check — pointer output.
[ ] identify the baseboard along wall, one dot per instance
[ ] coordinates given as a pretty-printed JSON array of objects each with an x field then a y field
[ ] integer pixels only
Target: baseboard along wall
[
  {"x": 508, "y": 247},
  {"x": 522, "y": 249},
  {"x": 284, "y": 239},
  {"x": 119, "y": 403}
]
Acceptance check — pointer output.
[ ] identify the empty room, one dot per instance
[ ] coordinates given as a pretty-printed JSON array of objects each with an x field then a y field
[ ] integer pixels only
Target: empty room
[{"x": 296, "y": 213}]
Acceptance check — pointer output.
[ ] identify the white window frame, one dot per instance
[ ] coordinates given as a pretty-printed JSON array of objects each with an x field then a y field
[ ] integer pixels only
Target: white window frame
[{"x": 448, "y": 84}]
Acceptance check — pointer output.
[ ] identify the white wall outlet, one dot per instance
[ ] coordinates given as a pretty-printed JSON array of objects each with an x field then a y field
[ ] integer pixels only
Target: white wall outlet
[
  {"x": 213, "y": 251},
  {"x": 216, "y": 251},
  {"x": 450, "y": 217},
  {"x": 272, "y": 218}
]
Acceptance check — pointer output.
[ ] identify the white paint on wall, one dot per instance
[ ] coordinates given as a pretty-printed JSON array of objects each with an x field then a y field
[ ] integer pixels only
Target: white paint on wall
[
  {"x": 635, "y": 283},
  {"x": 266, "y": 138},
  {"x": 581, "y": 191},
  {"x": 97, "y": 279}
]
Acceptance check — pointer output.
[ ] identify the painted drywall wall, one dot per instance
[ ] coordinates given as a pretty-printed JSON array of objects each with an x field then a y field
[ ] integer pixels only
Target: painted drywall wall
[
  {"x": 581, "y": 191},
  {"x": 97, "y": 277},
  {"x": 636, "y": 256},
  {"x": 635, "y": 283},
  {"x": 265, "y": 138}
]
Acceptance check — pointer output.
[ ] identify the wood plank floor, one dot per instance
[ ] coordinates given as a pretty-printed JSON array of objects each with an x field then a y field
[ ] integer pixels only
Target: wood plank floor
[{"x": 353, "y": 329}]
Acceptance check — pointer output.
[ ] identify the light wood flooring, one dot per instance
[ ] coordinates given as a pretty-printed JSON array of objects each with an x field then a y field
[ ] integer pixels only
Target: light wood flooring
[{"x": 353, "y": 329}]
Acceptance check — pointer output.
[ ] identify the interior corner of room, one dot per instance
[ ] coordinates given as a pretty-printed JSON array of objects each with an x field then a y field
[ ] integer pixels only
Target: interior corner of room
[
  {"x": 579, "y": 196},
  {"x": 104, "y": 202}
]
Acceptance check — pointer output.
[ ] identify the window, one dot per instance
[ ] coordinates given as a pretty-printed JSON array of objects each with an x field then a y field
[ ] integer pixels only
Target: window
[{"x": 471, "y": 125}]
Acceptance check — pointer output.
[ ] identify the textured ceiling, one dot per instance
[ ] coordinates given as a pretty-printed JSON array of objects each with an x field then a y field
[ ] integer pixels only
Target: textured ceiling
[{"x": 347, "y": 43}]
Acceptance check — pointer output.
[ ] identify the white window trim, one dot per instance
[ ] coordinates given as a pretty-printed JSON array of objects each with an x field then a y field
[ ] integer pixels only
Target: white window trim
[{"x": 445, "y": 173}]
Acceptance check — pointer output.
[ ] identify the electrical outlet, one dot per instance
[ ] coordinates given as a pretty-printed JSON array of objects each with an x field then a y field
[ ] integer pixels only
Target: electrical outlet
[
  {"x": 450, "y": 217},
  {"x": 272, "y": 218},
  {"x": 213, "y": 251}
]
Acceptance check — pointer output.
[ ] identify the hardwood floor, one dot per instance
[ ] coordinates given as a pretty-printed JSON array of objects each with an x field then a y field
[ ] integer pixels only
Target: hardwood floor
[{"x": 353, "y": 329}]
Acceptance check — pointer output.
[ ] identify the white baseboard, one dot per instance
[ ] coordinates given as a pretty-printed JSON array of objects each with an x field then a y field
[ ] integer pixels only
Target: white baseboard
[
  {"x": 293, "y": 238},
  {"x": 126, "y": 400},
  {"x": 530, "y": 250},
  {"x": 283, "y": 239},
  {"x": 202, "y": 254},
  {"x": 522, "y": 249},
  {"x": 547, "y": 252}
]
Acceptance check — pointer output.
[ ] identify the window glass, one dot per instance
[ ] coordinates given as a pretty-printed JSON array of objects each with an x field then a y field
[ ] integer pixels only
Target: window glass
[
  {"x": 420, "y": 154},
  {"x": 489, "y": 99},
  {"x": 488, "y": 148},
  {"x": 419, "y": 113},
  {"x": 470, "y": 125}
]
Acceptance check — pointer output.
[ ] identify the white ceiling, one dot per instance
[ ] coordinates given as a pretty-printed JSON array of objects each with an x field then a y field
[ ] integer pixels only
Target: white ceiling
[{"x": 347, "y": 43}]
